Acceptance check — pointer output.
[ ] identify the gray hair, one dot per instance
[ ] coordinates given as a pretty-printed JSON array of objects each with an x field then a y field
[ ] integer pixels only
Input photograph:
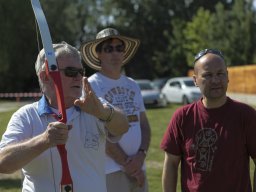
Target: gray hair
[{"x": 61, "y": 50}]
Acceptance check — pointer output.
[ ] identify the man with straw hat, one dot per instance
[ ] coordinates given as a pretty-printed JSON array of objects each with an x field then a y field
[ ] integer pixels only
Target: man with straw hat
[{"x": 125, "y": 166}]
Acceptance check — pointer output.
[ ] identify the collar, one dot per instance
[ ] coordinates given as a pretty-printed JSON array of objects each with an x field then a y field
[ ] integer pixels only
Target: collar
[{"x": 44, "y": 108}]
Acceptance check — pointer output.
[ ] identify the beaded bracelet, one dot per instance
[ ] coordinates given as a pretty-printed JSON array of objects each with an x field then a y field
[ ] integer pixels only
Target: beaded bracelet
[{"x": 110, "y": 116}]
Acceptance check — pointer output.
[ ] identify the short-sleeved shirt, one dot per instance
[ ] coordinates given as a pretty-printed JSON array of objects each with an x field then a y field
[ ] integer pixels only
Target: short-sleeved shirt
[
  {"x": 85, "y": 149},
  {"x": 215, "y": 146},
  {"x": 125, "y": 94}
]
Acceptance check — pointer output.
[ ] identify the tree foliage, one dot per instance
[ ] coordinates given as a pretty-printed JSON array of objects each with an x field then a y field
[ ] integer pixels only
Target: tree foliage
[
  {"x": 171, "y": 33},
  {"x": 16, "y": 48},
  {"x": 230, "y": 31}
]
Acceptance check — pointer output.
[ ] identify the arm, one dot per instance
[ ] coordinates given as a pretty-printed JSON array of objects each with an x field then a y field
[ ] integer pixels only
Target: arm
[
  {"x": 131, "y": 164},
  {"x": 170, "y": 172},
  {"x": 136, "y": 161},
  {"x": 114, "y": 151},
  {"x": 145, "y": 131},
  {"x": 117, "y": 123},
  {"x": 15, "y": 156},
  {"x": 254, "y": 177}
]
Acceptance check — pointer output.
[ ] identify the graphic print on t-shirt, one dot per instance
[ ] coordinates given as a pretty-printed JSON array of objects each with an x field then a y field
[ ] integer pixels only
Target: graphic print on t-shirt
[
  {"x": 123, "y": 98},
  {"x": 205, "y": 146},
  {"x": 92, "y": 141}
]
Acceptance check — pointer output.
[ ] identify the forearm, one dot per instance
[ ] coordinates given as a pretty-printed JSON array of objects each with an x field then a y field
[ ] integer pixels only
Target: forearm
[
  {"x": 114, "y": 151},
  {"x": 15, "y": 156},
  {"x": 145, "y": 132},
  {"x": 170, "y": 172},
  {"x": 169, "y": 181},
  {"x": 118, "y": 124}
]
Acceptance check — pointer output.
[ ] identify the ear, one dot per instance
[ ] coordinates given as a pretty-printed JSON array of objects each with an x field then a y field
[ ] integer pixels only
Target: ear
[
  {"x": 195, "y": 80},
  {"x": 227, "y": 76},
  {"x": 44, "y": 77}
]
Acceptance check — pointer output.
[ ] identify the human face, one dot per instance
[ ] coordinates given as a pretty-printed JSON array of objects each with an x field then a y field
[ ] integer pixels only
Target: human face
[
  {"x": 111, "y": 55},
  {"x": 211, "y": 77},
  {"x": 72, "y": 86}
]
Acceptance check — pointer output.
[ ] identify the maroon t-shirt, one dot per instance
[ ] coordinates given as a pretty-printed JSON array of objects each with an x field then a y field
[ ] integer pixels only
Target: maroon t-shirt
[{"x": 214, "y": 145}]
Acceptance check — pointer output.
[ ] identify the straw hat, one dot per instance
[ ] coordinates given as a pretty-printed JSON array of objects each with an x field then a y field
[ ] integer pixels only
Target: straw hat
[{"x": 88, "y": 49}]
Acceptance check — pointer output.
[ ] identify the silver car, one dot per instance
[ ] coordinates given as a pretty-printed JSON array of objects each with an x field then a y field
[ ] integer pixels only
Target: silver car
[
  {"x": 181, "y": 90},
  {"x": 151, "y": 96}
]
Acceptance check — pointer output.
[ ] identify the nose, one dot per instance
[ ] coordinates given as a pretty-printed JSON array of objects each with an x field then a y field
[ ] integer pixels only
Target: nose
[
  {"x": 78, "y": 77},
  {"x": 216, "y": 79}
]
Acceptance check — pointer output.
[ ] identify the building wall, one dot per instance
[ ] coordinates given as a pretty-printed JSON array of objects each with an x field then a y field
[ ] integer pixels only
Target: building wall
[{"x": 242, "y": 79}]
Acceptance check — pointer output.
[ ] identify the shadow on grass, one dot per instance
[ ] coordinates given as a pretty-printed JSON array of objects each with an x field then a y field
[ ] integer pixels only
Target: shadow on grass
[{"x": 10, "y": 184}]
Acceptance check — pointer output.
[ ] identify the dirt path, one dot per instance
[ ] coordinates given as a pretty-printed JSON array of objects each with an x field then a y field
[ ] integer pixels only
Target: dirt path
[{"x": 250, "y": 99}]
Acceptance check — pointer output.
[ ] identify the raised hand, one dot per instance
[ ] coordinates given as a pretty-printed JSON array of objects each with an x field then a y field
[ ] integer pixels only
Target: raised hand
[{"x": 90, "y": 103}]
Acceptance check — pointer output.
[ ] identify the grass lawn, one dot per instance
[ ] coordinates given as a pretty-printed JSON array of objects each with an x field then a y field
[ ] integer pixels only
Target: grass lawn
[
  {"x": 158, "y": 118},
  {"x": 8, "y": 183}
]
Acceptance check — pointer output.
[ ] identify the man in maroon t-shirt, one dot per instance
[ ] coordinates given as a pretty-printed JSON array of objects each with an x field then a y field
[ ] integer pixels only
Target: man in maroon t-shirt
[{"x": 213, "y": 138}]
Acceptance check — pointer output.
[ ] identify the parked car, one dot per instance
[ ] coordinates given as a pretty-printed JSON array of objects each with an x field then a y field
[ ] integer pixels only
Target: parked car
[
  {"x": 181, "y": 90},
  {"x": 159, "y": 82},
  {"x": 151, "y": 96}
]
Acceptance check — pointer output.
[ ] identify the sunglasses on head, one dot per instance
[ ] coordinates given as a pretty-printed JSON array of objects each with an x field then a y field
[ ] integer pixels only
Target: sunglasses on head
[
  {"x": 73, "y": 71},
  {"x": 110, "y": 48},
  {"x": 205, "y": 51}
]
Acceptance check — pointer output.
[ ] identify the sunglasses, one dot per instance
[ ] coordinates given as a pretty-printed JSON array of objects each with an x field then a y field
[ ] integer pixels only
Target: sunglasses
[
  {"x": 110, "y": 48},
  {"x": 205, "y": 51},
  {"x": 73, "y": 71}
]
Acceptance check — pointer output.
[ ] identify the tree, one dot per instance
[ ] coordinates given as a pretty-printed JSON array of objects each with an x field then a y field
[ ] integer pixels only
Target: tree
[
  {"x": 196, "y": 34},
  {"x": 19, "y": 41},
  {"x": 241, "y": 33},
  {"x": 171, "y": 32},
  {"x": 16, "y": 37},
  {"x": 231, "y": 31},
  {"x": 156, "y": 24}
]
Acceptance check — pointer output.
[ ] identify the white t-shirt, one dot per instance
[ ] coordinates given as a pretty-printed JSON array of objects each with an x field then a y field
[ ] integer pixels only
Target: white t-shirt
[
  {"x": 85, "y": 149},
  {"x": 125, "y": 94}
]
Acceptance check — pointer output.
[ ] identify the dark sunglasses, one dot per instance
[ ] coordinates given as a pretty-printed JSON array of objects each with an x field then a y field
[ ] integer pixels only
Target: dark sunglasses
[
  {"x": 205, "y": 51},
  {"x": 73, "y": 71},
  {"x": 110, "y": 48}
]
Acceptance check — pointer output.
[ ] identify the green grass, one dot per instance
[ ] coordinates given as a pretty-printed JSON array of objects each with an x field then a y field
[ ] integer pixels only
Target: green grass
[
  {"x": 158, "y": 118},
  {"x": 8, "y": 184},
  {"x": 4, "y": 119}
]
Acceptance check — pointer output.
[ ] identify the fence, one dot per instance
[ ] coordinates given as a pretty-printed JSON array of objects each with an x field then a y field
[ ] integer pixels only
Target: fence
[
  {"x": 242, "y": 79},
  {"x": 18, "y": 96}
]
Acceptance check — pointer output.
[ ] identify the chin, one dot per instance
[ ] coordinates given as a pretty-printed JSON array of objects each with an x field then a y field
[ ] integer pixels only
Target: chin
[{"x": 217, "y": 96}]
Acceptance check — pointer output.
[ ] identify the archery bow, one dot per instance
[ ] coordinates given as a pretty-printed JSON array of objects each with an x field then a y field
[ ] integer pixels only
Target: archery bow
[{"x": 66, "y": 184}]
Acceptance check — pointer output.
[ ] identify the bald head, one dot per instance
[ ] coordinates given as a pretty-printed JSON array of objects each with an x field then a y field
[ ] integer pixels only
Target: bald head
[
  {"x": 211, "y": 76},
  {"x": 209, "y": 60}
]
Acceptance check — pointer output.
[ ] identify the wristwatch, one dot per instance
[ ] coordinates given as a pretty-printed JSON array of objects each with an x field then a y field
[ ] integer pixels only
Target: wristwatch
[{"x": 143, "y": 151}]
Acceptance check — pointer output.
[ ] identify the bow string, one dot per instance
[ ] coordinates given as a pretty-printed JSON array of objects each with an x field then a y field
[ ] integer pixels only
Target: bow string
[{"x": 66, "y": 184}]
